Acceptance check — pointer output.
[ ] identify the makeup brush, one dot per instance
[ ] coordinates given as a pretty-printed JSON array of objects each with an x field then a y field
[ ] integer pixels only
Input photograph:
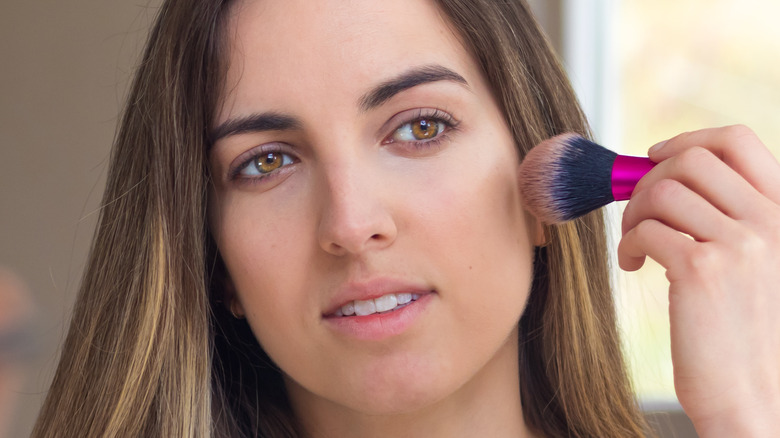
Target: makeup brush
[{"x": 569, "y": 176}]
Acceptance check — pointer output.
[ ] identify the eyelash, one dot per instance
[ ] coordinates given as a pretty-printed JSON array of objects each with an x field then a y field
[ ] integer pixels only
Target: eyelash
[
  {"x": 264, "y": 150},
  {"x": 436, "y": 115}
]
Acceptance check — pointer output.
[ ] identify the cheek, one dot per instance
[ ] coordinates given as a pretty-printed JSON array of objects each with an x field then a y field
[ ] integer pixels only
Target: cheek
[
  {"x": 474, "y": 203},
  {"x": 476, "y": 228},
  {"x": 256, "y": 248}
]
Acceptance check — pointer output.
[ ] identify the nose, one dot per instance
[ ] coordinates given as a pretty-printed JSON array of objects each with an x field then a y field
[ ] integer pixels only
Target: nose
[{"x": 355, "y": 213}]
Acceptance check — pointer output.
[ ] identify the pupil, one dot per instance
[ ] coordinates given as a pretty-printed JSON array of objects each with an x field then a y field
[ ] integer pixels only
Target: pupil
[
  {"x": 424, "y": 129},
  {"x": 270, "y": 162}
]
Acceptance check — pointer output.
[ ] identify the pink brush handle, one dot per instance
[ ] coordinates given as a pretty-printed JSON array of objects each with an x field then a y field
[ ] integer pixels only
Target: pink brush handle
[{"x": 626, "y": 172}]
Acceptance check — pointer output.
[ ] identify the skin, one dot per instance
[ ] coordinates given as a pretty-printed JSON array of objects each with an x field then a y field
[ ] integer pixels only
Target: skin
[
  {"x": 722, "y": 188},
  {"x": 349, "y": 206}
]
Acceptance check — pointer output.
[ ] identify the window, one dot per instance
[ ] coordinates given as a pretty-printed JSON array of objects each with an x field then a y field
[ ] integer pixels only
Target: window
[{"x": 645, "y": 71}]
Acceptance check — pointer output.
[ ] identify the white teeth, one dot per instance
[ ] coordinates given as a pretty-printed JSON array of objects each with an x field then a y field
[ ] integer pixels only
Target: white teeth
[
  {"x": 363, "y": 308},
  {"x": 382, "y": 304},
  {"x": 385, "y": 303}
]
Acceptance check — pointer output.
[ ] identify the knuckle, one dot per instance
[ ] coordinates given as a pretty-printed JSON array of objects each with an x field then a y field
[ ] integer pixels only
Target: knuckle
[
  {"x": 645, "y": 229},
  {"x": 740, "y": 137},
  {"x": 684, "y": 136},
  {"x": 663, "y": 191},
  {"x": 693, "y": 158},
  {"x": 749, "y": 244},
  {"x": 738, "y": 131},
  {"x": 705, "y": 260}
]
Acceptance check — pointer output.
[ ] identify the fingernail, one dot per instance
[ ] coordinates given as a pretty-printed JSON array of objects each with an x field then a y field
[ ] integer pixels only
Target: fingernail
[{"x": 657, "y": 147}]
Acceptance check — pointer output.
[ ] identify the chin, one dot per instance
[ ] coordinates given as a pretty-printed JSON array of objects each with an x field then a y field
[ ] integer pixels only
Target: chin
[
  {"x": 399, "y": 399},
  {"x": 401, "y": 390}
]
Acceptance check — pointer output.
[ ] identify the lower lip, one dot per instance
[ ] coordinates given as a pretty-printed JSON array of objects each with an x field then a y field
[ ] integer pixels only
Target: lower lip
[{"x": 379, "y": 326}]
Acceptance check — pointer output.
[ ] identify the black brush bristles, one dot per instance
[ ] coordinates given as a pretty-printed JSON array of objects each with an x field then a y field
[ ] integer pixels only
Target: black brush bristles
[{"x": 566, "y": 177}]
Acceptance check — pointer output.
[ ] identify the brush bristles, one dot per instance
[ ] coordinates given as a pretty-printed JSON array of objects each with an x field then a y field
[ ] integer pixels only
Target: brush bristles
[{"x": 566, "y": 177}]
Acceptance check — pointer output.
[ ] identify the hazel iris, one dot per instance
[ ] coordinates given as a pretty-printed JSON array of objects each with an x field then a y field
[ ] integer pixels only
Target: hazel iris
[
  {"x": 424, "y": 129},
  {"x": 268, "y": 162}
]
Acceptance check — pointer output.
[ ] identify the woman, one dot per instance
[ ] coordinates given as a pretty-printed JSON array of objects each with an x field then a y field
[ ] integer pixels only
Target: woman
[{"x": 312, "y": 227}]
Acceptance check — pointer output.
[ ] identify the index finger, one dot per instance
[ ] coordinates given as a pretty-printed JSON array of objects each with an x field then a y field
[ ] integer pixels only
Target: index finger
[{"x": 738, "y": 147}]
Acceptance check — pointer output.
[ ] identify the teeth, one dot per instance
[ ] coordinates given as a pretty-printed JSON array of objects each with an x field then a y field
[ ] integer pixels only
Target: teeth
[
  {"x": 363, "y": 308},
  {"x": 382, "y": 304},
  {"x": 385, "y": 303}
]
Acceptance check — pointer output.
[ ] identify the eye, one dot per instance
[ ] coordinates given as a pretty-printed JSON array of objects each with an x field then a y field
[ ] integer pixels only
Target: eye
[
  {"x": 262, "y": 164},
  {"x": 421, "y": 129},
  {"x": 268, "y": 162}
]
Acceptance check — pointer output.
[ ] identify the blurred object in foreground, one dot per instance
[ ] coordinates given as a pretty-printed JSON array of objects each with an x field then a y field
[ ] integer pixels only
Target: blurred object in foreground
[{"x": 17, "y": 342}]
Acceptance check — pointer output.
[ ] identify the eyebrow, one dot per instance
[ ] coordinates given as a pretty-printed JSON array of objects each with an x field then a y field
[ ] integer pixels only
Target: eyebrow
[
  {"x": 274, "y": 121},
  {"x": 267, "y": 121},
  {"x": 412, "y": 78}
]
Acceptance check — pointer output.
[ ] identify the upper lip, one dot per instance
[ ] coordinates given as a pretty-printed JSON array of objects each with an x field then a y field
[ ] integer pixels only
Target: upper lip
[{"x": 372, "y": 288}]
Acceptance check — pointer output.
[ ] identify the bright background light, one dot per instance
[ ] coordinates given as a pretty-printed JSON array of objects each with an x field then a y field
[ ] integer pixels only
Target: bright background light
[{"x": 646, "y": 71}]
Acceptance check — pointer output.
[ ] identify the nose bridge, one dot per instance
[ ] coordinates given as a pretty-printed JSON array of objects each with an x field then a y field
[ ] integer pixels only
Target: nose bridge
[{"x": 354, "y": 214}]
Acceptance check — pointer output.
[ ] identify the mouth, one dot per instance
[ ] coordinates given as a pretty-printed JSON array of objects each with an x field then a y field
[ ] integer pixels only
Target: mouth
[
  {"x": 384, "y": 304},
  {"x": 382, "y": 317}
]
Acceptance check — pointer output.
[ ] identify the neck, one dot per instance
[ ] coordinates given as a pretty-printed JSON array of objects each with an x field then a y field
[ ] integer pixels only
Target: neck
[{"x": 487, "y": 405}]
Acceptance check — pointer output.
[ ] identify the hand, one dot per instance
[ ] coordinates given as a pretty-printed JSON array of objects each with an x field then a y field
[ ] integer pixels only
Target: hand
[{"x": 709, "y": 213}]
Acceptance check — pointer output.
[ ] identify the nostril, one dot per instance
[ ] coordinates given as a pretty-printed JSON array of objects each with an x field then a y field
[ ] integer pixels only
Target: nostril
[{"x": 355, "y": 228}]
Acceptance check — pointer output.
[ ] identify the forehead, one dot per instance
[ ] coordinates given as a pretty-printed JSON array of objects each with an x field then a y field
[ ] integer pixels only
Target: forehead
[{"x": 330, "y": 49}]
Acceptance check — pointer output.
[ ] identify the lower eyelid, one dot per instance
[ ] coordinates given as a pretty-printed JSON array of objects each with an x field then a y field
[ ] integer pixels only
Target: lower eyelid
[
  {"x": 265, "y": 181},
  {"x": 424, "y": 147}
]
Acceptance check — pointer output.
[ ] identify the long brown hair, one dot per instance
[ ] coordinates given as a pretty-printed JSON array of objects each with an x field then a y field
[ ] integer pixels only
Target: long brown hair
[{"x": 151, "y": 349}]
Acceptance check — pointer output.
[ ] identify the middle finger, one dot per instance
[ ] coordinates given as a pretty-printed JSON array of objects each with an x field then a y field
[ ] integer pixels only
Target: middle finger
[{"x": 704, "y": 173}]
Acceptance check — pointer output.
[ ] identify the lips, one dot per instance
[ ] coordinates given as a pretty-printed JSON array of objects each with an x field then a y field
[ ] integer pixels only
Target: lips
[
  {"x": 385, "y": 303},
  {"x": 379, "y": 324},
  {"x": 379, "y": 295}
]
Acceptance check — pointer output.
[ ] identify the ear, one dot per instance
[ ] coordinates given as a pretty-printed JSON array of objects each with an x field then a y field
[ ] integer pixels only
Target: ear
[
  {"x": 236, "y": 309},
  {"x": 540, "y": 233},
  {"x": 232, "y": 301}
]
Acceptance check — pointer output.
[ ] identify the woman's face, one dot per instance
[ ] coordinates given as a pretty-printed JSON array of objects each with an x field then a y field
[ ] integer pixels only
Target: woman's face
[{"x": 361, "y": 163}]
